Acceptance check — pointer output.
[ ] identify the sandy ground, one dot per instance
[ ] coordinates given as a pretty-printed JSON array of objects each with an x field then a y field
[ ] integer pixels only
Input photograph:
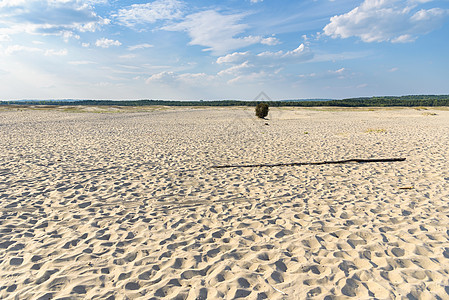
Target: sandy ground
[{"x": 124, "y": 204}]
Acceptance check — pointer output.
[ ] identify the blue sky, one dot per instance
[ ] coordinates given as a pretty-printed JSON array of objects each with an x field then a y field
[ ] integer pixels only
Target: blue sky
[{"x": 173, "y": 49}]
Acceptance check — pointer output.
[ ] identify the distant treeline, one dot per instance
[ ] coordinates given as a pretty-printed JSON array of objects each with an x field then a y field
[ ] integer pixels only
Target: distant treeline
[{"x": 407, "y": 101}]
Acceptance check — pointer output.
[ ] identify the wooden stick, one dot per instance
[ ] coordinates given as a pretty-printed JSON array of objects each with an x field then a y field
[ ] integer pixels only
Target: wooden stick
[{"x": 313, "y": 163}]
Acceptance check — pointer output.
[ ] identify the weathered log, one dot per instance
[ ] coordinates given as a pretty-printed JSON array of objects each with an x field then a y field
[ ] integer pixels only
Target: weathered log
[{"x": 369, "y": 160}]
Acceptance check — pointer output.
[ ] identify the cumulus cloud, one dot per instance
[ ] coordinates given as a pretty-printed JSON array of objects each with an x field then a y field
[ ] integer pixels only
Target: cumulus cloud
[
  {"x": 48, "y": 17},
  {"x": 106, "y": 43},
  {"x": 218, "y": 32},
  {"x": 237, "y": 69},
  {"x": 246, "y": 66},
  {"x": 396, "y": 21},
  {"x": 149, "y": 12},
  {"x": 268, "y": 58},
  {"x": 233, "y": 58},
  {"x": 299, "y": 54},
  {"x": 271, "y": 41},
  {"x": 66, "y": 35},
  {"x": 166, "y": 76}
]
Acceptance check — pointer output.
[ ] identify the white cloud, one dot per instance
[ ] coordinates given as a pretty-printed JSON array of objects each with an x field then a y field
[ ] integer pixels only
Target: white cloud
[
  {"x": 52, "y": 52},
  {"x": 236, "y": 70},
  {"x": 310, "y": 75},
  {"x": 19, "y": 48},
  {"x": 405, "y": 38},
  {"x": 299, "y": 54},
  {"x": 4, "y": 38},
  {"x": 48, "y": 17},
  {"x": 339, "y": 71},
  {"x": 271, "y": 41},
  {"x": 150, "y": 12},
  {"x": 218, "y": 32},
  {"x": 383, "y": 20},
  {"x": 106, "y": 43},
  {"x": 139, "y": 46},
  {"x": 246, "y": 66},
  {"x": 189, "y": 79},
  {"x": 274, "y": 59},
  {"x": 340, "y": 74},
  {"x": 67, "y": 35},
  {"x": 235, "y": 57},
  {"x": 234, "y": 75},
  {"x": 11, "y": 50},
  {"x": 162, "y": 77},
  {"x": 11, "y": 3},
  {"x": 252, "y": 78}
]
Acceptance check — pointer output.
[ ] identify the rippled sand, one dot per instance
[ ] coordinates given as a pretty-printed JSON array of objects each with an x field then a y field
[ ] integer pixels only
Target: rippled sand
[{"x": 124, "y": 204}]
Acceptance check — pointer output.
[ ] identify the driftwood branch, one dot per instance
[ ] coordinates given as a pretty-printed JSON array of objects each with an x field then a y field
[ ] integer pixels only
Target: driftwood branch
[{"x": 313, "y": 163}]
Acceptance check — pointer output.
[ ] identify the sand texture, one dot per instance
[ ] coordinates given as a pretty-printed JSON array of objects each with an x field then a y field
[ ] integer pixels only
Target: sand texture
[{"x": 124, "y": 204}]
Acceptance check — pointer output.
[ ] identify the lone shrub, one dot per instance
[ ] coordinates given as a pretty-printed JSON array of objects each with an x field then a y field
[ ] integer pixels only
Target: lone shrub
[{"x": 262, "y": 110}]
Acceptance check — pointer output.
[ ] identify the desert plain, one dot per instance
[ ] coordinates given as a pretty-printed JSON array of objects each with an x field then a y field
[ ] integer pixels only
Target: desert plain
[{"x": 123, "y": 203}]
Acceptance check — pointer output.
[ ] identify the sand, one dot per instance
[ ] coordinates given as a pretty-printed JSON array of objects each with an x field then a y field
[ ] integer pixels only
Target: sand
[{"x": 119, "y": 204}]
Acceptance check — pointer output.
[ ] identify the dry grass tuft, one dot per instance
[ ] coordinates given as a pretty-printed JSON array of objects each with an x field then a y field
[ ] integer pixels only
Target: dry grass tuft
[
  {"x": 376, "y": 130},
  {"x": 429, "y": 114}
]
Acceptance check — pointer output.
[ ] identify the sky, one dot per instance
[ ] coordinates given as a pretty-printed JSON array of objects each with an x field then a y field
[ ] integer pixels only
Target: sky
[{"x": 216, "y": 50}]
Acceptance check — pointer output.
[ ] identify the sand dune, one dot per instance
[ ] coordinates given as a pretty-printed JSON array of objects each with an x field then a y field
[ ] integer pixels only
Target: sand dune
[{"x": 124, "y": 205}]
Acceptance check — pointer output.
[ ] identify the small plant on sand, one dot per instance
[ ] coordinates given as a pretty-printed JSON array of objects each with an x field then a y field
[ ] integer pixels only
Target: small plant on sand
[{"x": 262, "y": 110}]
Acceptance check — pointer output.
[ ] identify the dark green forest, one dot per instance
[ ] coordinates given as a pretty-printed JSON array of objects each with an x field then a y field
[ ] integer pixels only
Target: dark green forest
[{"x": 383, "y": 101}]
